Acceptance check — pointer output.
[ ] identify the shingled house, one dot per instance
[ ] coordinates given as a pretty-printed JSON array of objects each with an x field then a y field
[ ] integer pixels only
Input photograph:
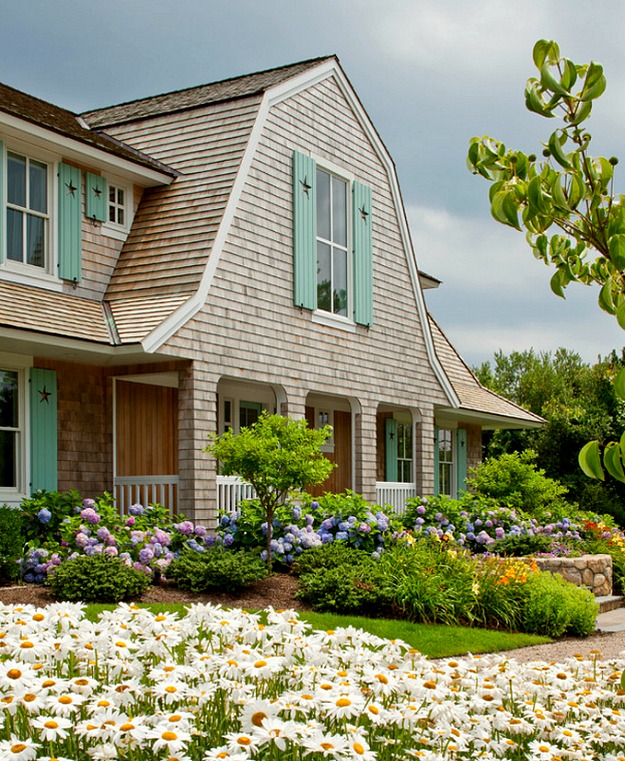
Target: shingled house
[{"x": 175, "y": 265}]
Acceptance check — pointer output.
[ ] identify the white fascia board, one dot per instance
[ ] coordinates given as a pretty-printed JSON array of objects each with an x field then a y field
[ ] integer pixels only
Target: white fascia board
[
  {"x": 272, "y": 96},
  {"x": 82, "y": 152}
]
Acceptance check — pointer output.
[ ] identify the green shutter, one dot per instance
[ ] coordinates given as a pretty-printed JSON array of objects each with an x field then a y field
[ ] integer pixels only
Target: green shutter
[
  {"x": 363, "y": 255},
  {"x": 95, "y": 197},
  {"x": 304, "y": 231},
  {"x": 390, "y": 449},
  {"x": 3, "y": 212},
  {"x": 43, "y": 430},
  {"x": 461, "y": 458},
  {"x": 70, "y": 235},
  {"x": 436, "y": 475}
]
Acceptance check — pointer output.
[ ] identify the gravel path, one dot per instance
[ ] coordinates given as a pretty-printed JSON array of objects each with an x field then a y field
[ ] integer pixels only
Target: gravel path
[{"x": 596, "y": 647}]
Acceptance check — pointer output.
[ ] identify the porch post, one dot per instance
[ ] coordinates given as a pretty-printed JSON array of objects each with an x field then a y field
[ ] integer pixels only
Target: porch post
[
  {"x": 197, "y": 417},
  {"x": 364, "y": 433},
  {"x": 424, "y": 442}
]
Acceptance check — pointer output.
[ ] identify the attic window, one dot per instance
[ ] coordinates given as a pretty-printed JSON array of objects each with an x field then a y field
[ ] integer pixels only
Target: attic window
[{"x": 117, "y": 205}]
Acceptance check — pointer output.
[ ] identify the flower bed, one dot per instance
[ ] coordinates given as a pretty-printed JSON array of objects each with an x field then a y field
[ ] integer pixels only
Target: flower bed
[{"x": 220, "y": 684}]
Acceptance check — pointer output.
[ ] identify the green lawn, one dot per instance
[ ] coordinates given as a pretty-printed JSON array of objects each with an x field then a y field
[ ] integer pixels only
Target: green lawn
[{"x": 430, "y": 639}]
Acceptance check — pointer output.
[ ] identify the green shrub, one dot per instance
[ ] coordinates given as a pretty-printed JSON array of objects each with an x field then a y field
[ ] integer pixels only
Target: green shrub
[
  {"x": 331, "y": 555},
  {"x": 553, "y": 607},
  {"x": 521, "y": 545},
  {"x": 11, "y": 543},
  {"x": 515, "y": 481},
  {"x": 355, "y": 587},
  {"x": 216, "y": 569},
  {"x": 97, "y": 578}
]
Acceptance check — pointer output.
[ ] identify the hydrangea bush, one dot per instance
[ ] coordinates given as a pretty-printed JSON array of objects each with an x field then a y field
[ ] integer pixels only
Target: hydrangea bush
[
  {"x": 63, "y": 526},
  {"x": 344, "y": 517}
]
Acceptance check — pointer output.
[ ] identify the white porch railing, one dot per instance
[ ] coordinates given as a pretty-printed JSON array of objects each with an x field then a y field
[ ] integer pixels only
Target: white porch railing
[
  {"x": 394, "y": 494},
  {"x": 230, "y": 491},
  {"x": 146, "y": 490}
]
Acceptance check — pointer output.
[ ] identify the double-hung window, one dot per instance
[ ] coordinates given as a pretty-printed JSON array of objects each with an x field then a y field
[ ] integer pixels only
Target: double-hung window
[
  {"x": 27, "y": 205},
  {"x": 10, "y": 430},
  {"x": 450, "y": 461},
  {"x": 332, "y": 252},
  {"x": 332, "y": 242}
]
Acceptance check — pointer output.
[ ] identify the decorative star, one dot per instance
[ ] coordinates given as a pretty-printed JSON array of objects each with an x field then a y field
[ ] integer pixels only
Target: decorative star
[
  {"x": 45, "y": 395},
  {"x": 305, "y": 186},
  {"x": 70, "y": 187},
  {"x": 364, "y": 214},
  {"x": 391, "y": 436},
  {"x": 97, "y": 192}
]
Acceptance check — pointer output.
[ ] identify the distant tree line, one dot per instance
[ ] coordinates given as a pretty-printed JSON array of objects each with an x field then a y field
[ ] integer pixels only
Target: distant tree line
[{"x": 579, "y": 403}]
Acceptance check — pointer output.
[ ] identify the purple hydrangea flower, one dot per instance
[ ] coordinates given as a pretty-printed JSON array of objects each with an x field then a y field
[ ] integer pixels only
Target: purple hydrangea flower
[
  {"x": 228, "y": 540},
  {"x": 185, "y": 528},
  {"x": 90, "y": 515},
  {"x": 201, "y": 531},
  {"x": 44, "y": 515},
  {"x": 130, "y": 521},
  {"x": 136, "y": 509},
  {"x": 421, "y": 510},
  {"x": 112, "y": 551},
  {"x": 146, "y": 555}
]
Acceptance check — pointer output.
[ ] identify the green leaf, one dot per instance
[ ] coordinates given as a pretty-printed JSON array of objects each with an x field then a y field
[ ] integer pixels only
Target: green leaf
[
  {"x": 504, "y": 208},
  {"x": 555, "y": 146},
  {"x": 606, "y": 302},
  {"x": 620, "y": 315},
  {"x": 569, "y": 76},
  {"x": 612, "y": 461},
  {"x": 557, "y": 284},
  {"x": 582, "y": 112},
  {"x": 590, "y": 461},
  {"x": 616, "y": 248},
  {"x": 543, "y": 50},
  {"x": 550, "y": 82},
  {"x": 557, "y": 192},
  {"x": 622, "y": 445},
  {"x": 577, "y": 190},
  {"x": 619, "y": 384},
  {"x": 595, "y": 82},
  {"x": 536, "y": 197},
  {"x": 534, "y": 101}
]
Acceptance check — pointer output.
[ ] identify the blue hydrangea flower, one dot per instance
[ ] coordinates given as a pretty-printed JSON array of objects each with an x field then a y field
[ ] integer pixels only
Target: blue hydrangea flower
[{"x": 44, "y": 515}]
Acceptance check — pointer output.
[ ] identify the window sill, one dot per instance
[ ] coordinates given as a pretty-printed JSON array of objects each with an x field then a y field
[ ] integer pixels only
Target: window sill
[
  {"x": 30, "y": 276},
  {"x": 114, "y": 232},
  {"x": 333, "y": 321}
]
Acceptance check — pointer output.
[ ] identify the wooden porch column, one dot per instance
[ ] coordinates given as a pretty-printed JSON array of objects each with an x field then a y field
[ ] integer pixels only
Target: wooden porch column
[
  {"x": 424, "y": 445},
  {"x": 365, "y": 429},
  {"x": 197, "y": 417}
]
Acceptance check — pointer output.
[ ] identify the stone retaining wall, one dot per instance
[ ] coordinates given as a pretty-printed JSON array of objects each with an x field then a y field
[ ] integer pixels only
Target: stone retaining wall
[{"x": 591, "y": 571}]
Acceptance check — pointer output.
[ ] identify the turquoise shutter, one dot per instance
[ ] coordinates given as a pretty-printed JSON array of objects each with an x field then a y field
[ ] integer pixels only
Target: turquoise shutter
[
  {"x": 436, "y": 476},
  {"x": 461, "y": 458},
  {"x": 43, "y": 430},
  {"x": 363, "y": 255},
  {"x": 390, "y": 450},
  {"x": 2, "y": 246},
  {"x": 304, "y": 231},
  {"x": 95, "y": 197},
  {"x": 70, "y": 237}
]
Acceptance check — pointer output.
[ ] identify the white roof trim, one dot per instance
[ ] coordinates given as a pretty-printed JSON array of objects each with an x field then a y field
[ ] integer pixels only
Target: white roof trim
[
  {"x": 272, "y": 96},
  {"x": 96, "y": 158}
]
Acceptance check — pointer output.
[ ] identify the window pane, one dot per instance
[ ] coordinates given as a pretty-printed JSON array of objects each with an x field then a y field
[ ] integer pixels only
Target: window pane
[
  {"x": 15, "y": 235},
  {"x": 323, "y": 277},
  {"x": 16, "y": 180},
  {"x": 35, "y": 253},
  {"x": 340, "y": 281},
  {"x": 323, "y": 204},
  {"x": 120, "y": 197},
  {"x": 8, "y": 399},
  {"x": 339, "y": 211},
  {"x": 8, "y": 459},
  {"x": 38, "y": 178},
  {"x": 112, "y": 214}
]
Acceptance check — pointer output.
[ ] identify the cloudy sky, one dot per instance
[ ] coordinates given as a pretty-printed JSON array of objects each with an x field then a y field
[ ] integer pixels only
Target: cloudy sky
[{"x": 430, "y": 73}]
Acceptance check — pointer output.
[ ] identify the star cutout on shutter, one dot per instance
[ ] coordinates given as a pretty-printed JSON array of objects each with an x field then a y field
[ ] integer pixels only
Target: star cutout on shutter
[
  {"x": 45, "y": 395},
  {"x": 97, "y": 192},
  {"x": 305, "y": 186},
  {"x": 70, "y": 188},
  {"x": 364, "y": 214},
  {"x": 391, "y": 436}
]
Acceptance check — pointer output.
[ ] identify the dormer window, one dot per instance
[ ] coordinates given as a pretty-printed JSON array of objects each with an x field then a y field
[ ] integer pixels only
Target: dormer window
[
  {"x": 27, "y": 211},
  {"x": 117, "y": 205}
]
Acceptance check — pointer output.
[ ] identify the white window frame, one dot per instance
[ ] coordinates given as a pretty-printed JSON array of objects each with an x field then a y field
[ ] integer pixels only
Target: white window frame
[
  {"x": 13, "y": 363},
  {"x": 452, "y": 464},
  {"x": 21, "y": 272},
  {"x": 114, "y": 229},
  {"x": 321, "y": 316},
  {"x": 408, "y": 456}
]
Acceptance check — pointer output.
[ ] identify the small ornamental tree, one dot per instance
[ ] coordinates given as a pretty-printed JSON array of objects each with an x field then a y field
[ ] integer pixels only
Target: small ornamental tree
[
  {"x": 276, "y": 455},
  {"x": 565, "y": 202}
]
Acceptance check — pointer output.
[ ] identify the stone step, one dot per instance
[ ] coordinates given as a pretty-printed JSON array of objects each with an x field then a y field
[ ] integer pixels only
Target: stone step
[{"x": 610, "y": 602}]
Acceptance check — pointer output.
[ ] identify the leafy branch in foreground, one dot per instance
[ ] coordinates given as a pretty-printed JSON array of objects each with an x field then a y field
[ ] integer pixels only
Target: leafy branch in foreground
[{"x": 570, "y": 190}]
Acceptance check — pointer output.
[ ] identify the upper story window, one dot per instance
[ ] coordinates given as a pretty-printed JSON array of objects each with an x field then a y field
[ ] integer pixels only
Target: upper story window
[
  {"x": 332, "y": 251},
  {"x": 27, "y": 211},
  {"x": 446, "y": 462},
  {"x": 10, "y": 429},
  {"x": 117, "y": 205}
]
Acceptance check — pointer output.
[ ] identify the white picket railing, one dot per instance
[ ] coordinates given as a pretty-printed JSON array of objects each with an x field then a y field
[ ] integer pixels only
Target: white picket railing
[
  {"x": 230, "y": 491},
  {"x": 146, "y": 490},
  {"x": 394, "y": 494}
]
